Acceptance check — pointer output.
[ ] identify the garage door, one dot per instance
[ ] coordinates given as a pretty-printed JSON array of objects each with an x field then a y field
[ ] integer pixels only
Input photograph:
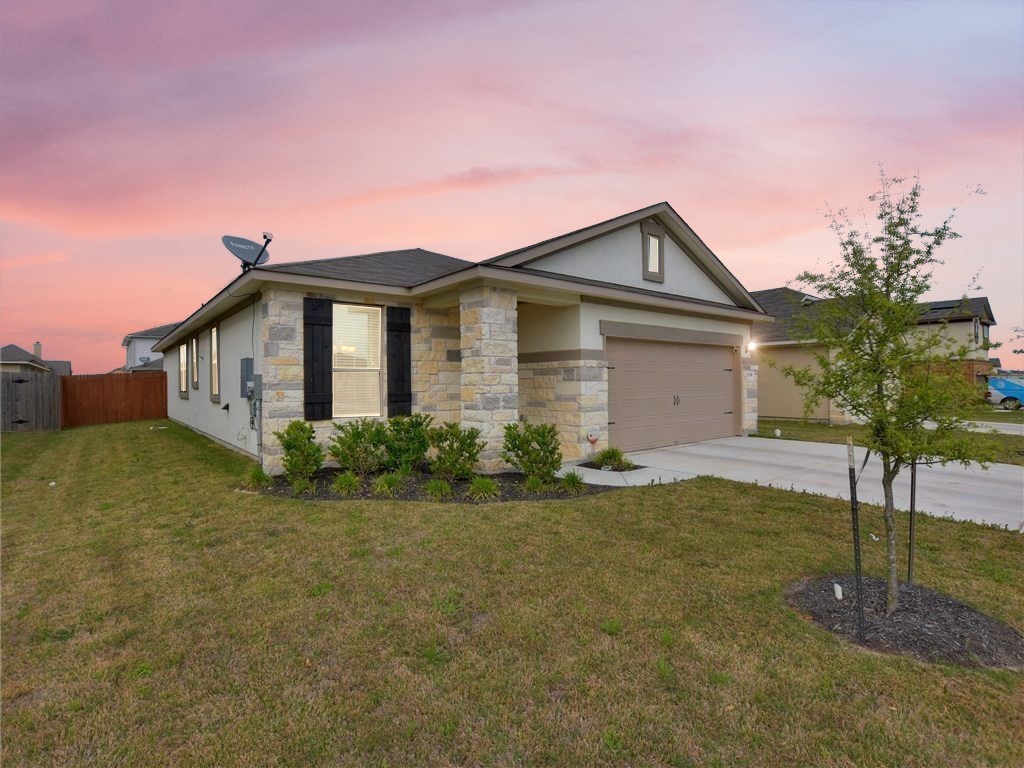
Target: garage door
[{"x": 661, "y": 393}]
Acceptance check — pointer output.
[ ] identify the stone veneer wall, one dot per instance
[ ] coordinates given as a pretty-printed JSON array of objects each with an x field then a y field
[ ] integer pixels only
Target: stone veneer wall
[
  {"x": 282, "y": 370},
  {"x": 572, "y": 394},
  {"x": 748, "y": 395},
  {"x": 436, "y": 367},
  {"x": 490, "y": 367}
]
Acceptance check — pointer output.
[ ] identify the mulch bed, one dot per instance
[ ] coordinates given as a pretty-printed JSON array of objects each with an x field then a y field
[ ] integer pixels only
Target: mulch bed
[
  {"x": 510, "y": 488},
  {"x": 606, "y": 468},
  {"x": 927, "y": 625}
]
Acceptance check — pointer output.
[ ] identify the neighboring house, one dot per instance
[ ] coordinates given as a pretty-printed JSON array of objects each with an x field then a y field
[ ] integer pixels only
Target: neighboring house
[
  {"x": 14, "y": 358},
  {"x": 139, "y": 354},
  {"x": 630, "y": 332},
  {"x": 961, "y": 322}
]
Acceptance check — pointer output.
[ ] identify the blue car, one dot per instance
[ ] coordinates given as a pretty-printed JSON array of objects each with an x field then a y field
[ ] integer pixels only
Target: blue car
[{"x": 1006, "y": 391}]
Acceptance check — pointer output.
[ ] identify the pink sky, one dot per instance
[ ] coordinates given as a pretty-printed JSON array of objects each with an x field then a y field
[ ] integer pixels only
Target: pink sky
[{"x": 135, "y": 134}]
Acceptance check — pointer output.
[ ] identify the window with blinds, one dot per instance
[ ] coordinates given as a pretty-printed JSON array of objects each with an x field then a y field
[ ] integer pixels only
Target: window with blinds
[
  {"x": 356, "y": 360},
  {"x": 214, "y": 365},
  {"x": 183, "y": 370}
]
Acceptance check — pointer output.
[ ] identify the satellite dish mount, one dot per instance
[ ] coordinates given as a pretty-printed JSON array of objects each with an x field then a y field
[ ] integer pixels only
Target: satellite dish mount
[{"x": 251, "y": 254}]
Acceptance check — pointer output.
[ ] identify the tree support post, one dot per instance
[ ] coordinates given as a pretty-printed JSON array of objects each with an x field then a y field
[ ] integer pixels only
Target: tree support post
[
  {"x": 910, "y": 545},
  {"x": 856, "y": 538}
]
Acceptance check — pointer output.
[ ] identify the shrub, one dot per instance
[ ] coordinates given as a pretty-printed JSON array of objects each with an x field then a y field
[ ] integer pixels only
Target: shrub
[
  {"x": 258, "y": 479},
  {"x": 358, "y": 446},
  {"x": 533, "y": 449},
  {"x": 346, "y": 483},
  {"x": 438, "y": 489},
  {"x": 572, "y": 483},
  {"x": 534, "y": 484},
  {"x": 302, "y": 456},
  {"x": 458, "y": 451},
  {"x": 406, "y": 440},
  {"x": 482, "y": 488},
  {"x": 389, "y": 485},
  {"x": 612, "y": 457}
]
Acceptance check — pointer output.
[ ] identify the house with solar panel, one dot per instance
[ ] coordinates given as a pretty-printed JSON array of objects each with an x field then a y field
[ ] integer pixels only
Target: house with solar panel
[{"x": 956, "y": 323}]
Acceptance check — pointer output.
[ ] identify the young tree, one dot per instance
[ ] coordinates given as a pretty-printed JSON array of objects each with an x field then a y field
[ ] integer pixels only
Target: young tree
[{"x": 878, "y": 365}]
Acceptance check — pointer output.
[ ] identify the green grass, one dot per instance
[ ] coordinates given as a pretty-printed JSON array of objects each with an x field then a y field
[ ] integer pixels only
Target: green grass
[
  {"x": 1006, "y": 449},
  {"x": 994, "y": 413},
  {"x": 152, "y": 614}
]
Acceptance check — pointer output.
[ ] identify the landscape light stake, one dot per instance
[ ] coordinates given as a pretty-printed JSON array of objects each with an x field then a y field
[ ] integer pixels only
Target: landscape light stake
[
  {"x": 913, "y": 498},
  {"x": 856, "y": 538}
]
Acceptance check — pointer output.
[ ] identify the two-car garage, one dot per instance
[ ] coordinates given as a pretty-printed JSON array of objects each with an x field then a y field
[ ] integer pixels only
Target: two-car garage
[{"x": 681, "y": 388}]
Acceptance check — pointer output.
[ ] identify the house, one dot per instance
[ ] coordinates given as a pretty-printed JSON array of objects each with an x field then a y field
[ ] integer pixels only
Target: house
[
  {"x": 628, "y": 333},
  {"x": 139, "y": 354},
  {"x": 15, "y": 359},
  {"x": 961, "y": 322}
]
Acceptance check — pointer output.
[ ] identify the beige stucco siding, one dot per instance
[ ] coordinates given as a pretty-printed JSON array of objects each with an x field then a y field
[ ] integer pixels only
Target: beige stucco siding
[
  {"x": 591, "y": 315},
  {"x": 953, "y": 336},
  {"x": 548, "y": 329},
  {"x": 617, "y": 258},
  {"x": 778, "y": 396}
]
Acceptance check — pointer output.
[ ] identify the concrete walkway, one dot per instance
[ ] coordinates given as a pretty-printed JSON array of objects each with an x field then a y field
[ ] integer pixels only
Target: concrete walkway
[{"x": 992, "y": 496}]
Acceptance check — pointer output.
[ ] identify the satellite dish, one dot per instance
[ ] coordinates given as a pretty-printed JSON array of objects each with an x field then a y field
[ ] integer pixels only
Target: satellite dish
[{"x": 249, "y": 253}]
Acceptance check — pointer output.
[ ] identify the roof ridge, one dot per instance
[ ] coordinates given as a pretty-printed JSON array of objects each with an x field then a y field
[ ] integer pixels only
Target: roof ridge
[{"x": 358, "y": 256}]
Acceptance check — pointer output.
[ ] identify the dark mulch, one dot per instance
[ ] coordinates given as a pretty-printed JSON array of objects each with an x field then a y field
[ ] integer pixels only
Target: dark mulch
[
  {"x": 510, "y": 488},
  {"x": 592, "y": 465},
  {"x": 927, "y": 625}
]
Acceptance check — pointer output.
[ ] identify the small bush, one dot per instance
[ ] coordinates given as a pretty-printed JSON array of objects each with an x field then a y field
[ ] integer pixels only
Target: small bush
[
  {"x": 612, "y": 457},
  {"x": 389, "y": 485},
  {"x": 358, "y": 446},
  {"x": 438, "y": 489},
  {"x": 406, "y": 441},
  {"x": 258, "y": 479},
  {"x": 458, "y": 451},
  {"x": 302, "y": 456},
  {"x": 533, "y": 449},
  {"x": 346, "y": 484},
  {"x": 572, "y": 483},
  {"x": 482, "y": 488},
  {"x": 534, "y": 485}
]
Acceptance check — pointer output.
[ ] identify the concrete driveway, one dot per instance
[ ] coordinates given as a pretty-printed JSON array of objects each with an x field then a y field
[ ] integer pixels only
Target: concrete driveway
[{"x": 992, "y": 496}]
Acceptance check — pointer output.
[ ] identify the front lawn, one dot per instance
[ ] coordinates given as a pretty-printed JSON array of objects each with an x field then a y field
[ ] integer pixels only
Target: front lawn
[
  {"x": 1006, "y": 449},
  {"x": 155, "y": 615}
]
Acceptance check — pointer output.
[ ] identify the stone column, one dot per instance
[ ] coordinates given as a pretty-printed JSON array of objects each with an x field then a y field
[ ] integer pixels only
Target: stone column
[
  {"x": 490, "y": 367},
  {"x": 281, "y": 342}
]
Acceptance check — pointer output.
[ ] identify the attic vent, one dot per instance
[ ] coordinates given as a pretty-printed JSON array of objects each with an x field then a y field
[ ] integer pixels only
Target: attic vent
[
  {"x": 144, "y": 359},
  {"x": 807, "y": 300}
]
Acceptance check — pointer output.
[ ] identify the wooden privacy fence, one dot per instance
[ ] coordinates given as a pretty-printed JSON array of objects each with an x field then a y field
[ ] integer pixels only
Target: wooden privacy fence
[
  {"x": 29, "y": 401},
  {"x": 110, "y": 397}
]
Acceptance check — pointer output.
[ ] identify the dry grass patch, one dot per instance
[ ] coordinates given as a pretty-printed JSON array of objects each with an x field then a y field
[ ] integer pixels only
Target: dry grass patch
[{"x": 153, "y": 614}]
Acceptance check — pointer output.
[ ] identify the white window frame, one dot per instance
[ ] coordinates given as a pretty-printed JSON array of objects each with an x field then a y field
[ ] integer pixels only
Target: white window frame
[
  {"x": 194, "y": 361},
  {"x": 653, "y": 233},
  {"x": 215, "y": 364},
  {"x": 379, "y": 369},
  {"x": 183, "y": 370}
]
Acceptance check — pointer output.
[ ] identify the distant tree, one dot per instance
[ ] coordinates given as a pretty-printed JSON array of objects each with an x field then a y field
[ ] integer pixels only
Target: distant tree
[{"x": 877, "y": 365}]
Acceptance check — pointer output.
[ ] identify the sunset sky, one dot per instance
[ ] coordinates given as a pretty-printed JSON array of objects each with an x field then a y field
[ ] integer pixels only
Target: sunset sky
[{"x": 135, "y": 134}]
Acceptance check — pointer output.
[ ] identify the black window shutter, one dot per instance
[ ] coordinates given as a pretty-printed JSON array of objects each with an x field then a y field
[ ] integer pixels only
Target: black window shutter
[
  {"x": 399, "y": 362},
  {"x": 317, "y": 317}
]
